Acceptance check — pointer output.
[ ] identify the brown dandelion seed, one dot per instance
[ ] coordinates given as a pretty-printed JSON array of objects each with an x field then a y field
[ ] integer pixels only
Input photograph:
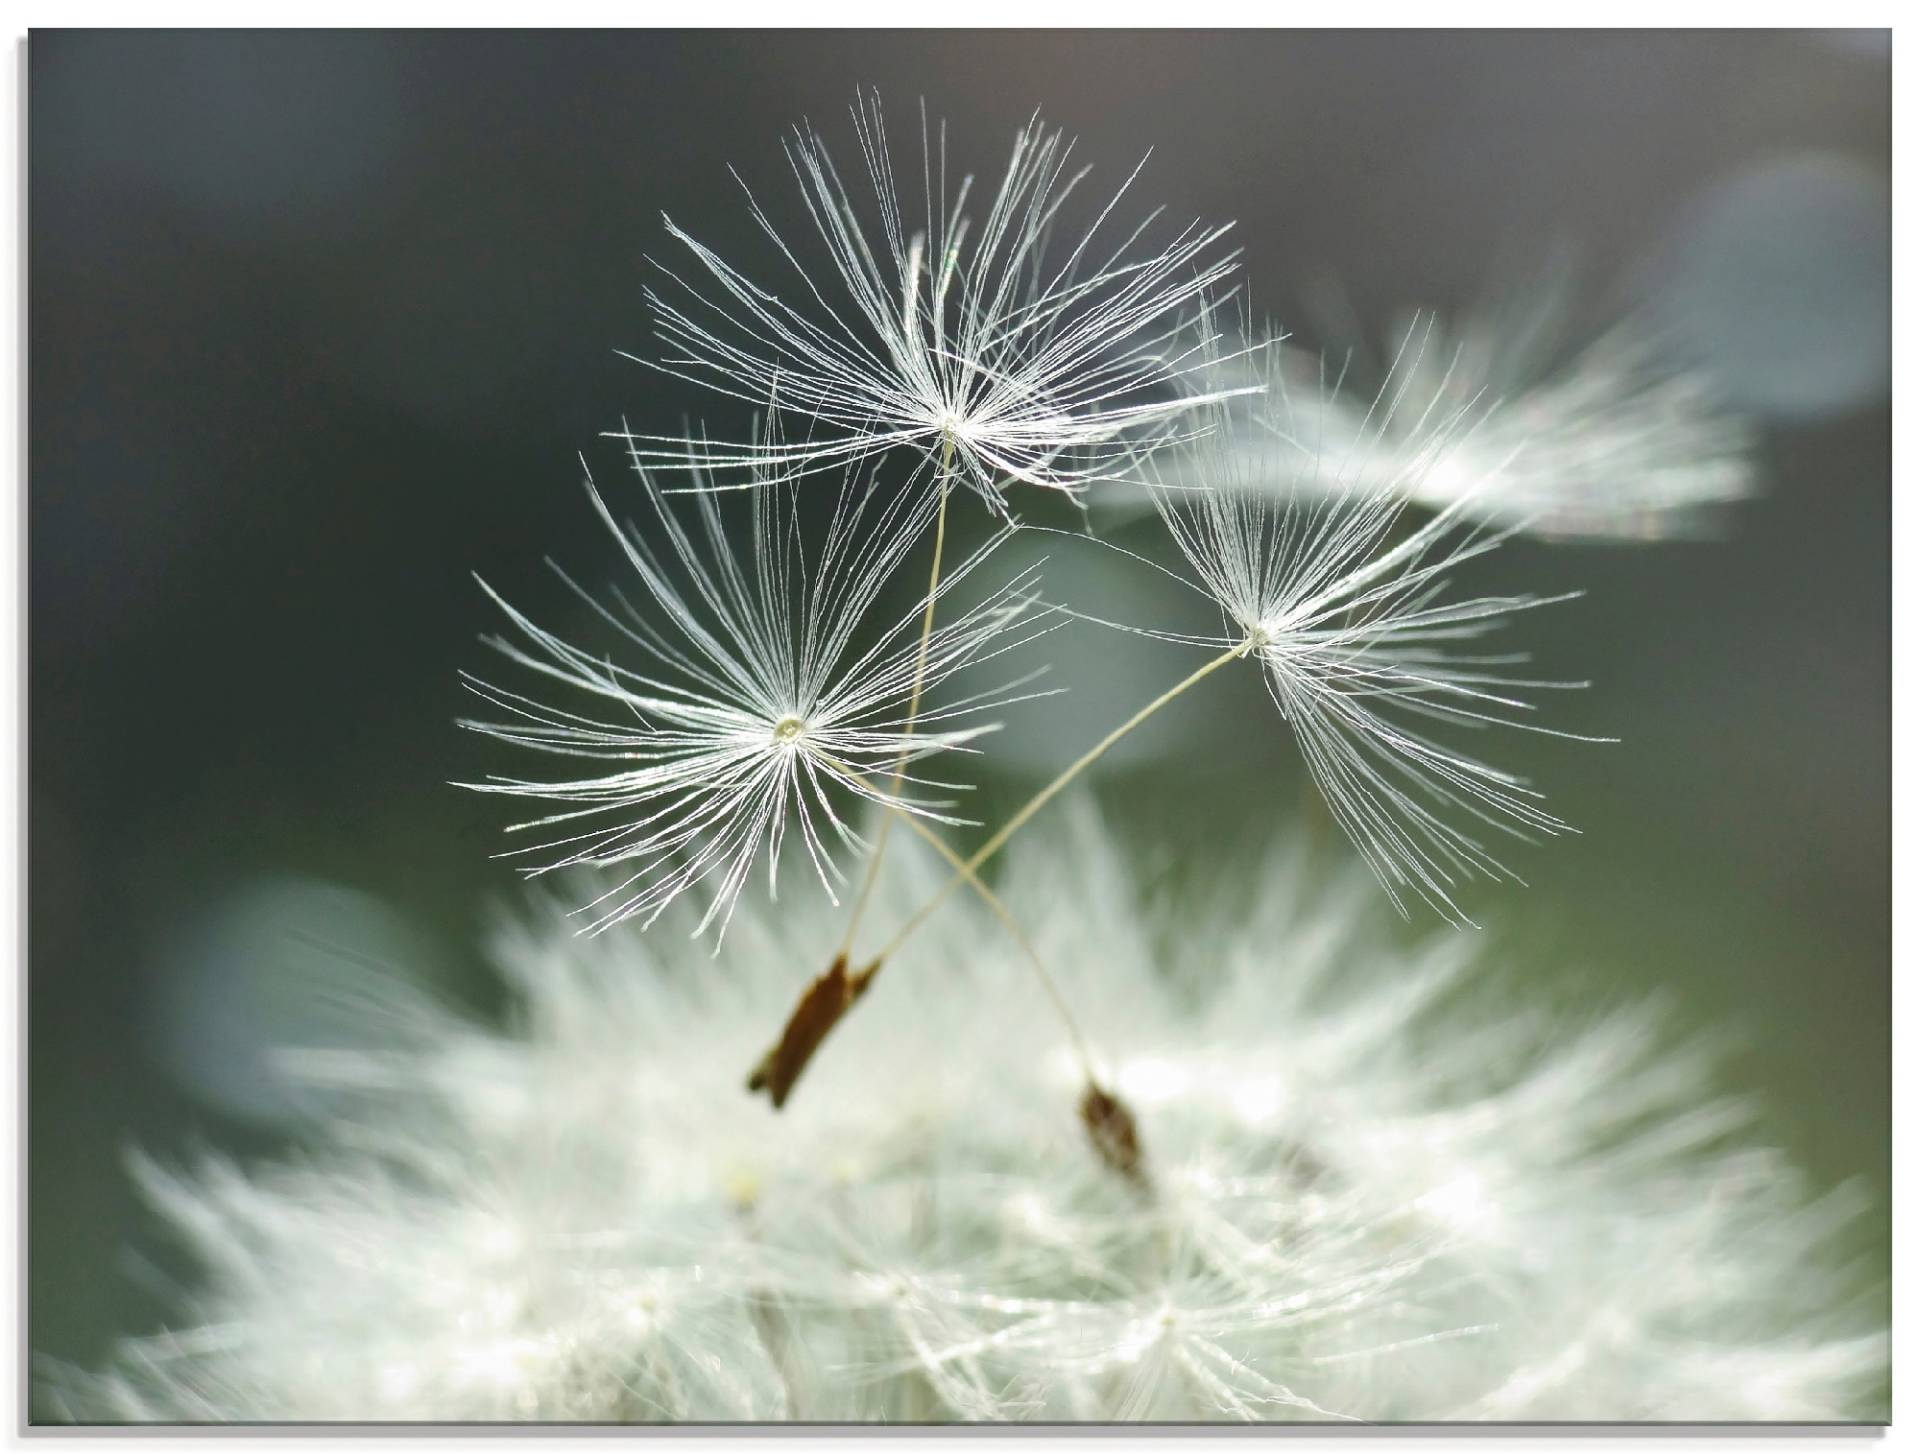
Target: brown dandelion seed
[
  {"x": 1113, "y": 1131},
  {"x": 828, "y": 998}
]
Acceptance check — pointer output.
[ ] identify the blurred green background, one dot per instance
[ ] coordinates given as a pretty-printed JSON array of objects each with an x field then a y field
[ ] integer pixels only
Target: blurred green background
[{"x": 318, "y": 323}]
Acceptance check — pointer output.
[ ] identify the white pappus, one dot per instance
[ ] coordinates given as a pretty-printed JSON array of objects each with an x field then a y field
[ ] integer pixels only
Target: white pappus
[
  {"x": 769, "y": 681},
  {"x": 1343, "y": 600},
  {"x": 980, "y": 347},
  {"x": 1610, "y": 436},
  {"x": 1374, "y": 1191}
]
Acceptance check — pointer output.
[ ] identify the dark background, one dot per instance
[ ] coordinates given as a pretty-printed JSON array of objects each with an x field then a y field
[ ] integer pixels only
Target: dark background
[{"x": 318, "y": 322}]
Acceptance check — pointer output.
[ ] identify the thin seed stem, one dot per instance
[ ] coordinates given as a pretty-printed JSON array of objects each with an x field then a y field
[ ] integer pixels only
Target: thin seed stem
[
  {"x": 1046, "y": 795},
  {"x": 913, "y": 704},
  {"x": 1005, "y": 915},
  {"x": 1108, "y": 1121},
  {"x": 1012, "y": 926}
]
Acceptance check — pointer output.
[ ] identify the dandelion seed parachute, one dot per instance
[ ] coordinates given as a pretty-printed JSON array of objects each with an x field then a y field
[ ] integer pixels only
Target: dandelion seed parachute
[
  {"x": 1342, "y": 600},
  {"x": 1606, "y": 438},
  {"x": 946, "y": 331},
  {"x": 1369, "y": 1201},
  {"x": 770, "y": 681}
]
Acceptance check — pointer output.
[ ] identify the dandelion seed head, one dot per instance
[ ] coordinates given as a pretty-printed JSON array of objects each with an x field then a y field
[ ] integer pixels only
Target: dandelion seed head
[{"x": 1376, "y": 1192}]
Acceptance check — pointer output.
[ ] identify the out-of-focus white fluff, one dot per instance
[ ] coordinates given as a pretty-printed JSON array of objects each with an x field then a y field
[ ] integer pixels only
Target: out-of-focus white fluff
[
  {"x": 1612, "y": 440},
  {"x": 1522, "y": 421},
  {"x": 1368, "y": 1198}
]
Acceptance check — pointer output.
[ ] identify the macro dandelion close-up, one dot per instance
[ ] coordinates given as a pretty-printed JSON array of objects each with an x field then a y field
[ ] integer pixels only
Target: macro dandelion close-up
[{"x": 1063, "y": 727}]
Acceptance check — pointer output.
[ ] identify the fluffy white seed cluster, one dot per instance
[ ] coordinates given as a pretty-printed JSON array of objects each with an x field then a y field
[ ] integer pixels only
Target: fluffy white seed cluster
[{"x": 1362, "y": 1198}]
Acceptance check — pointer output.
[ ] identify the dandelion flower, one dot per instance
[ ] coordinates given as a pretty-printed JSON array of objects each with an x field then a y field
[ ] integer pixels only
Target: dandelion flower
[
  {"x": 966, "y": 338},
  {"x": 1376, "y": 1192},
  {"x": 1346, "y": 612},
  {"x": 755, "y": 701}
]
